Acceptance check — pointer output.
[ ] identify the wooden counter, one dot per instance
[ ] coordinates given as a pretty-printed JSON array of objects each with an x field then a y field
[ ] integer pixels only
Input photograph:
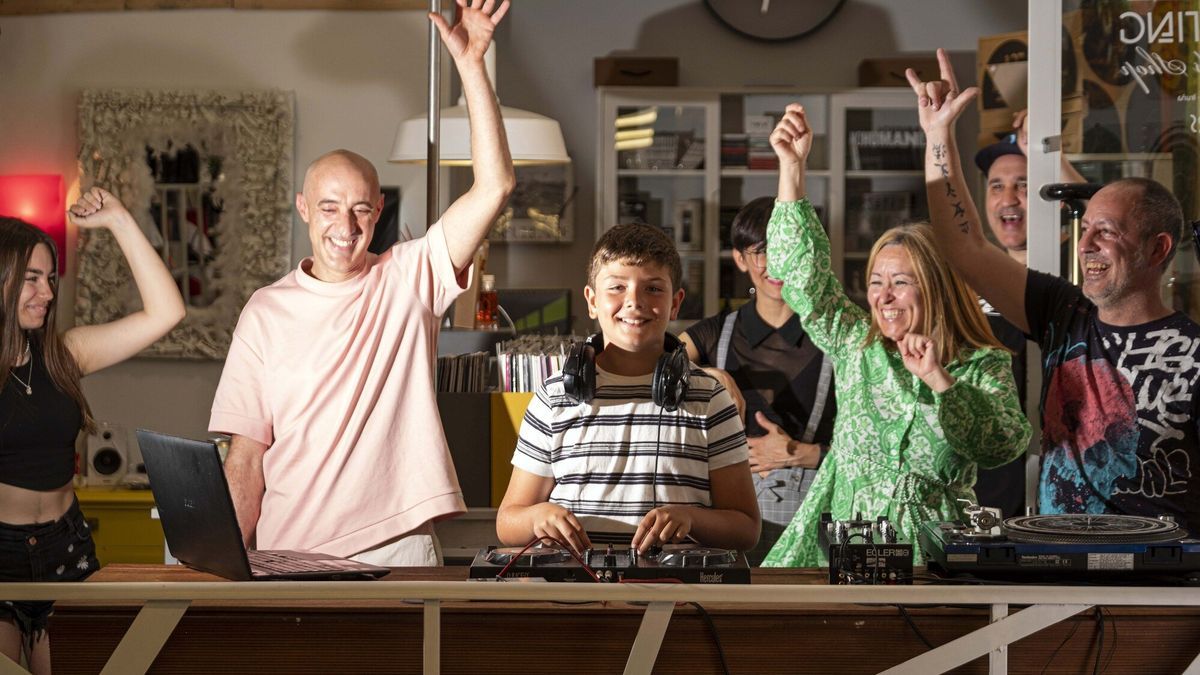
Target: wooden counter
[{"x": 305, "y": 635}]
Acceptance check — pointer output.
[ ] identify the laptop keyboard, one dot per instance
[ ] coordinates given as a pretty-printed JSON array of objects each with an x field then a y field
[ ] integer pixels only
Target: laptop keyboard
[{"x": 275, "y": 563}]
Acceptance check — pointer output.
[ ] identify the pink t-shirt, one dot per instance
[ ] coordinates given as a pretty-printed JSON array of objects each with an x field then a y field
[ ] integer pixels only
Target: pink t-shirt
[{"x": 338, "y": 380}]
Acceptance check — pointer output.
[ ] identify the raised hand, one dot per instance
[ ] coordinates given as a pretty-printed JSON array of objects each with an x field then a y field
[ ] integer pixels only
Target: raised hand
[
  {"x": 792, "y": 137},
  {"x": 664, "y": 525},
  {"x": 939, "y": 103},
  {"x": 553, "y": 522},
  {"x": 470, "y": 37},
  {"x": 98, "y": 208},
  {"x": 921, "y": 358}
]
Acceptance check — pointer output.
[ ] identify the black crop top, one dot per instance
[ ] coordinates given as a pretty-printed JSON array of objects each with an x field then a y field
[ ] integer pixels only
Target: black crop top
[{"x": 38, "y": 431}]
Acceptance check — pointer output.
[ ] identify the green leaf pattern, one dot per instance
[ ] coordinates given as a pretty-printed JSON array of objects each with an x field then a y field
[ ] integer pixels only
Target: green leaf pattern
[{"x": 899, "y": 449}]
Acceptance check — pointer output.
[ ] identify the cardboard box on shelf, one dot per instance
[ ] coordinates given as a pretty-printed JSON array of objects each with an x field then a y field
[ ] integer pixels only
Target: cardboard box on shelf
[
  {"x": 889, "y": 72},
  {"x": 996, "y": 124},
  {"x": 638, "y": 71}
]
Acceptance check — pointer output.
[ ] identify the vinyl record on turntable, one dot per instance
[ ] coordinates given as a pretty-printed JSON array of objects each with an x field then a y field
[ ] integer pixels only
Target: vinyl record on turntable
[{"x": 1087, "y": 528}]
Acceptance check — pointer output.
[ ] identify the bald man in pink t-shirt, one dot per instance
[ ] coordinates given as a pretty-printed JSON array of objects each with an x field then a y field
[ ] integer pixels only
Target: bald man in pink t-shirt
[{"x": 328, "y": 386}]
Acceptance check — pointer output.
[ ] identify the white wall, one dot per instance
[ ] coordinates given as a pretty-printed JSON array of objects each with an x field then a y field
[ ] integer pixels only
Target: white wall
[{"x": 356, "y": 74}]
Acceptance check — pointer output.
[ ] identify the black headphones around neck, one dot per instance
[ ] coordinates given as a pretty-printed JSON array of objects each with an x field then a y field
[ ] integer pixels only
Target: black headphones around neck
[{"x": 668, "y": 387}]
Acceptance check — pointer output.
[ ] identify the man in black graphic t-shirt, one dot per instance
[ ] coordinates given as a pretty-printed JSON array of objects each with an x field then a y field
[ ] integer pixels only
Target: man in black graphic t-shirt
[
  {"x": 1119, "y": 374},
  {"x": 1119, "y": 408}
]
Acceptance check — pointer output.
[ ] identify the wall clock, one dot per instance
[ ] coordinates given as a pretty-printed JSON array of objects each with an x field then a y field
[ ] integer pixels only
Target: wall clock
[{"x": 774, "y": 20}]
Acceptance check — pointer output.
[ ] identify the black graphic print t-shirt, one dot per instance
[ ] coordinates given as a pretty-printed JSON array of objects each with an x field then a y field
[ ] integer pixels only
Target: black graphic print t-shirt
[{"x": 1119, "y": 408}]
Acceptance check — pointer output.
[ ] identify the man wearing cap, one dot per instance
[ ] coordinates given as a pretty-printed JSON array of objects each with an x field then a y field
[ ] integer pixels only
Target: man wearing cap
[{"x": 1004, "y": 165}]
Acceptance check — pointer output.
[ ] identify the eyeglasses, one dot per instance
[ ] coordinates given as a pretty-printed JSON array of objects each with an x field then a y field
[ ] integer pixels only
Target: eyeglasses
[{"x": 756, "y": 256}]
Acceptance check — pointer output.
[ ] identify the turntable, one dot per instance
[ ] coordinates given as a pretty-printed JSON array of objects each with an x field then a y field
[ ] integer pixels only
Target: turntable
[
  {"x": 1085, "y": 545},
  {"x": 687, "y": 563}
]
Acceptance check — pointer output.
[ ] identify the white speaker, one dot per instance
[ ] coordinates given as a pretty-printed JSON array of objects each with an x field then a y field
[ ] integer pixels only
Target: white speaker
[{"x": 108, "y": 458}]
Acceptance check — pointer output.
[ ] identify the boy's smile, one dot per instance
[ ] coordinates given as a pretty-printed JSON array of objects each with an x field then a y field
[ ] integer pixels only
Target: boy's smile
[{"x": 633, "y": 304}]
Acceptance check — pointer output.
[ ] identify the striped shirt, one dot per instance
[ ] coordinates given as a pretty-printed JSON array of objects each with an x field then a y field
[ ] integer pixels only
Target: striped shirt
[{"x": 620, "y": 456}]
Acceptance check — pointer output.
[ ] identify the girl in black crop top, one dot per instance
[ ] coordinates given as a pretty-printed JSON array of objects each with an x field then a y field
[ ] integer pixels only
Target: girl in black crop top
[{"x": 43, "y": 536}]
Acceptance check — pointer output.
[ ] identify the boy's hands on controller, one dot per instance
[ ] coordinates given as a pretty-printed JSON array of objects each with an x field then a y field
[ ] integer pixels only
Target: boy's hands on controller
[
  {"x": 551, "y": 521},
  {"x": 663, "y": 525}
]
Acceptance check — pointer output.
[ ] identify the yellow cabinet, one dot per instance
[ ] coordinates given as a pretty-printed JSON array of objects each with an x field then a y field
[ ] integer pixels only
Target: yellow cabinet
[{"x": 121, "y": 525}]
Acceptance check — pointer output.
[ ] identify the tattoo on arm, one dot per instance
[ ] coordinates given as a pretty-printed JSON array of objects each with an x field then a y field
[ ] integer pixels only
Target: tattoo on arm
[
  {"x": 946, "y": 177},
  {"x": 959, "y": 212}
]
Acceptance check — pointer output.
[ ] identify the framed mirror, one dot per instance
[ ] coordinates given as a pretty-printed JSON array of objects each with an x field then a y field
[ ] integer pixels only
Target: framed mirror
[{"x": 208, "y": 177}]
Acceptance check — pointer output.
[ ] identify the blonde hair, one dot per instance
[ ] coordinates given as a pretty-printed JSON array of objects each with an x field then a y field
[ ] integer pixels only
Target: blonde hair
[{"x": 952, "y": 314}]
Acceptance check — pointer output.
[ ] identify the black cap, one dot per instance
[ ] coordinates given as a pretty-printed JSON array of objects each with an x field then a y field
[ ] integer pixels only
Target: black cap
[{"x": 985, "y": 157}]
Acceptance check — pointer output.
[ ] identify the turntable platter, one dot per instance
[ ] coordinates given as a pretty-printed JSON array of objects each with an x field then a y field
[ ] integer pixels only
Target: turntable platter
[{"x": 1084, "y": 528}]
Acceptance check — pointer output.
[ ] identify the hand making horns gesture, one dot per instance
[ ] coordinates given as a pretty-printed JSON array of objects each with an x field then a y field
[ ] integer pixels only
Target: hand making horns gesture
[{"x": 940, "y": 102}]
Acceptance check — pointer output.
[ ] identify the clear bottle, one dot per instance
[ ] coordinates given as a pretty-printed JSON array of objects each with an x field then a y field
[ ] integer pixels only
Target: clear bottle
[{"x": 485, "y": 309}]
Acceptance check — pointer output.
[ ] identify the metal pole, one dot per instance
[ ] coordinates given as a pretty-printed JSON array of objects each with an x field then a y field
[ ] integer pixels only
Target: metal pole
[{"x": 434, "y": 117}]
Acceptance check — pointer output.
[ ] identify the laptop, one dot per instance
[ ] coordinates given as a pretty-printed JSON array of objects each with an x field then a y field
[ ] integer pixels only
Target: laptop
[{"x": 201, "y": 526}]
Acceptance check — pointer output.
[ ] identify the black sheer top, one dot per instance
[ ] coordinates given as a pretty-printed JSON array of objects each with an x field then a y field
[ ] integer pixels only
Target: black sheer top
[{"x": 38, "y": 430}]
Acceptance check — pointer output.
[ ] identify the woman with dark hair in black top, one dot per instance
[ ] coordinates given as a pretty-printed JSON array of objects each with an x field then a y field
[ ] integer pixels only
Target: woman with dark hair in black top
[{"x": 43, "y": 536}]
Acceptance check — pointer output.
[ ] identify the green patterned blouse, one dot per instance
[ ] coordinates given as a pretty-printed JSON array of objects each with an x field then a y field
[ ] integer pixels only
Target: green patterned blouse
[{"x": 899, "y": 449}]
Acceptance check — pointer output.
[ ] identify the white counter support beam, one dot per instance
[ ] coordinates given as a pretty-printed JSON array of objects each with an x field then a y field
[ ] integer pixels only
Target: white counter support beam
[
  {"x": 433, "y": 637},
  {"x": 649, "y": 638},
  {"x": 994, "y": 636},
  {"x": 146, "y": 637}
]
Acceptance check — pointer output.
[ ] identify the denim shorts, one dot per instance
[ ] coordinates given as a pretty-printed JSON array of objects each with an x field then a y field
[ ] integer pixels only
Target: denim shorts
[{"x": 58, "y": 551}]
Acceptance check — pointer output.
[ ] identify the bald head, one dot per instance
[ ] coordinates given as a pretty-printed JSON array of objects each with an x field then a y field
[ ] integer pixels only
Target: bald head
[
  {"x": 341, "y": 203},
  {"x": 337, "y": 162}
]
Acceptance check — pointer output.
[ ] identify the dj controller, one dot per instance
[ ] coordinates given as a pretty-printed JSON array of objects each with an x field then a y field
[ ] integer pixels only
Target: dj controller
[
  {"x": 862, "y": 551},
  {"x": 684, "y": 563}
]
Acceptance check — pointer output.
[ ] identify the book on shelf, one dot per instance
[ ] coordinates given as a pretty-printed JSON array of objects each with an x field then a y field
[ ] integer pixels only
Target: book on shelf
[
  {"x": 734, "y": 148},
  {"x": 877, "y": 212},
  {"x": 692, "y": 156},
  {"x": 524, "y": 363},
  {"x": 688, "y": 224},
  {"x": 464, "y": 372},
  {"x": 887, "y": 149},
  {"x": 761, "y": 156}
]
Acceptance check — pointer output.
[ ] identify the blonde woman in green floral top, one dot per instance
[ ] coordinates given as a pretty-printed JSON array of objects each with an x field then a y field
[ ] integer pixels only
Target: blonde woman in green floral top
[{"x": 925, "y": 391}]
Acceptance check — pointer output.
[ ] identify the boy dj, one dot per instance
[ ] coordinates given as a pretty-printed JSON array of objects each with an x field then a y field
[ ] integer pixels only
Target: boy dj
[{"x": 606, "y": 455}]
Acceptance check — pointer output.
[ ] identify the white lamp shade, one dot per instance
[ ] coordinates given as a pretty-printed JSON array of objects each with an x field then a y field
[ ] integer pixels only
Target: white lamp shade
[{"x": 532, "y": 138}]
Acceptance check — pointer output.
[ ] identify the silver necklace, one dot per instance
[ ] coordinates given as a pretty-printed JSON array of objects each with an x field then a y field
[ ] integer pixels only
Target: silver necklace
[{"x": 28, "y": 388}]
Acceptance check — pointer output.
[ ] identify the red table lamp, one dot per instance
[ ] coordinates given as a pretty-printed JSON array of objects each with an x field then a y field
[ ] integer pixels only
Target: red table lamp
[{"x": 40, "y": 201}]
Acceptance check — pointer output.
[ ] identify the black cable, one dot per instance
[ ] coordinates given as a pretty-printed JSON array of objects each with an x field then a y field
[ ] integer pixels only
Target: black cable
[
  {"x": 657, "y": 445},
  {"x": 712, "y": 627},
  {"x": 1070, "y": 634},
  {"x": 913, "y": 625},
  {"x": 1112, "y": 650},
  {"x": 1099, "y": 616}
]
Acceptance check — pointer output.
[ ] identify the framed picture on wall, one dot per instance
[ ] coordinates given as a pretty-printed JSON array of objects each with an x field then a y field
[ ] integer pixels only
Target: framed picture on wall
[{"x": 541, "y": 207}]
